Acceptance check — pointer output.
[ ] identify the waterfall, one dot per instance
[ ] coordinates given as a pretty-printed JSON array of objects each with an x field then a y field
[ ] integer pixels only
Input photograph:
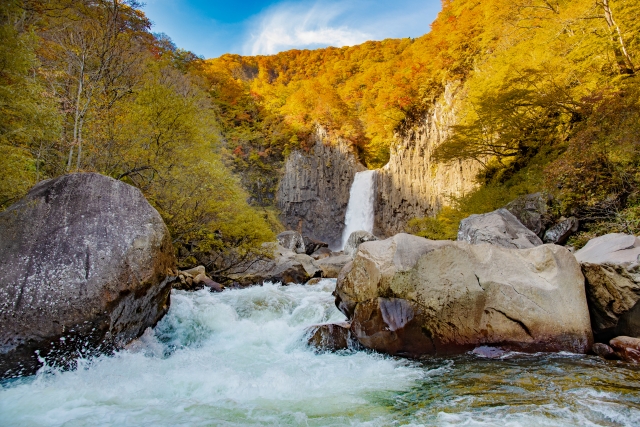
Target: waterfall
[{"x": 360, "y": 212}]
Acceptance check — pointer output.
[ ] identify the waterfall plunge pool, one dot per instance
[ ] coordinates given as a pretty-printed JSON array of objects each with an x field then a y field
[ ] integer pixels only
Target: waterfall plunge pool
[{"x": 239, "y": 358}]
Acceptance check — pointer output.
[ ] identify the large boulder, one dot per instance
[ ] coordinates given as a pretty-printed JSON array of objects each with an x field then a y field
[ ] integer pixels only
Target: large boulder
[
  {"x": 500, "y": 228},
  {"x": 84, "y": 262},
  {"x": 610, "y": 266},
  {"x": 355, "y": 239},
  {"x": 532, "y": 211},
  {"x": 411, "y": 296},
  {"x": 293, "y": 241},
  {"x": 285, "y": 267}
]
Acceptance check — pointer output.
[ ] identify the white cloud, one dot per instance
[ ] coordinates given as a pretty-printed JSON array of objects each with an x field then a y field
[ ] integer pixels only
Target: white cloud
[{"x": 290, "y": 26}]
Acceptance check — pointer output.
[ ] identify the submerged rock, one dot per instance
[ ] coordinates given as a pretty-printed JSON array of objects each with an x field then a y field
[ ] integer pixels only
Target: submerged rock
[
  {"x": 85, "y": 261},
  {"x": 627, "y": 348},
  {"x": 411, "y": 296},
  {"x": 500, "y": 228},
  {"x": 489, "y": 352},
  {"x": 610, "y": 266},
  {"x": 329, "y": 337},
  {"x": 355, "y": 240},
  {"x": 604, "y": 351}
]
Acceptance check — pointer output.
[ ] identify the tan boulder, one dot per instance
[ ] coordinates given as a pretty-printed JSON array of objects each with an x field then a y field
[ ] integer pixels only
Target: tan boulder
[
  {"x": 332, "y": 265},
  {"x": 411, "y": 296}
]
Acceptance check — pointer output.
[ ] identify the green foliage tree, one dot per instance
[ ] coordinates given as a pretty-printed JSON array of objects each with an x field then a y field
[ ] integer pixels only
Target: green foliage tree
[
  {"x": 84, "y": 86},
  {"x": 28, "y": 119}
]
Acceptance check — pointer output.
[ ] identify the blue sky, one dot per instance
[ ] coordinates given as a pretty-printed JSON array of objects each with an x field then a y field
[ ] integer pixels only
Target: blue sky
[{"x": 253, "y": 27}]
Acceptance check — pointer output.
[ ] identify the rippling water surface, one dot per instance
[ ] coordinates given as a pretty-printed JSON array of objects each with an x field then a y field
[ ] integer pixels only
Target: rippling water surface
[{"x": 239, "y": 358}]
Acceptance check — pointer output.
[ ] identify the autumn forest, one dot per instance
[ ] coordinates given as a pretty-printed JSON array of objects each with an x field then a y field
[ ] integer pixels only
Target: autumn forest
[{"x": 551, "y": 103}]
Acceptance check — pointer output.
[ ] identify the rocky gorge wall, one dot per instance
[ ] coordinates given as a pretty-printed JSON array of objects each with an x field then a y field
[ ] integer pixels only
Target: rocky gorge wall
[
  {"x": 411, "y": 184},
  {"x": 314, "y": 190}
]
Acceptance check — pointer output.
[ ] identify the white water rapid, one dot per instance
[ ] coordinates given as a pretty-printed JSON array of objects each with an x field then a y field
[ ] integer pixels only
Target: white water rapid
[
  {"x": 240, "y": 358},
  {"x": 360, "y": 210}
]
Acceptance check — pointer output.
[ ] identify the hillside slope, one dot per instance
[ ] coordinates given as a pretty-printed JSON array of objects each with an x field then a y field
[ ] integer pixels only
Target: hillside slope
[{"x": 548, "y": 102}]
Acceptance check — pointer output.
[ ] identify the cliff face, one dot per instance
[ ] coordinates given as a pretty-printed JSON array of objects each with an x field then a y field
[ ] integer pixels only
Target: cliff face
[
  {"x": 314, "y": 192},
  {"x": 412, "y": 184}
]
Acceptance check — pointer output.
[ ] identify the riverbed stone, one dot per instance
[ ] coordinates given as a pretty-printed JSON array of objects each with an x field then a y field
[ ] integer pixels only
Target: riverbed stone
[
  {"x": 329, "y": 337},
  {"x": 499, "y": 228},
  {"x": 627, "y": 348},
  {"x": 612, "y": 273},
  {"x": 355, "y": 239},
  {"x": 85, "y": 262},
  {"x": 413, "y": 297},
  {"x": 604, "y": 351},
  {"x": 285, "y": 267}
]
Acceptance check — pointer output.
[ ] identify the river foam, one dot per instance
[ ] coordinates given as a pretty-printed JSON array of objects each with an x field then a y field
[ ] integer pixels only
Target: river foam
[{"x": 240, "y": 358}]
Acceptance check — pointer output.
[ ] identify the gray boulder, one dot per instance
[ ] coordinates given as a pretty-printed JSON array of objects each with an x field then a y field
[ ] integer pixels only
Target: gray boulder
[
  {"x": 355, "y": 239},
  {"x": 560, "y": 233},
  {"x": 84, "y": 264},
  {"x": 500, "y": 228},
  {"x": 293, "y": 241},
  {"x": 413, "y": 297},
  {"x": 610, "y": 266},
  {"x": 532, "y": 211},
  {"x": 312, "y": 245},
  {"x": 285, "y": 267}
]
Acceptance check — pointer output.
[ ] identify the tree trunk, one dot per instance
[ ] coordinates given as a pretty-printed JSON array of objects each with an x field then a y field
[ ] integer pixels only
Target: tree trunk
[
  {"x": 622, "y": 56},
  {"x": 76, "y": 119}
]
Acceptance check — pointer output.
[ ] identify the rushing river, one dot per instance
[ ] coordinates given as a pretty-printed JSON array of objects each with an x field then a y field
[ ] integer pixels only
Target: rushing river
[{"x": 240, "y": 358}]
